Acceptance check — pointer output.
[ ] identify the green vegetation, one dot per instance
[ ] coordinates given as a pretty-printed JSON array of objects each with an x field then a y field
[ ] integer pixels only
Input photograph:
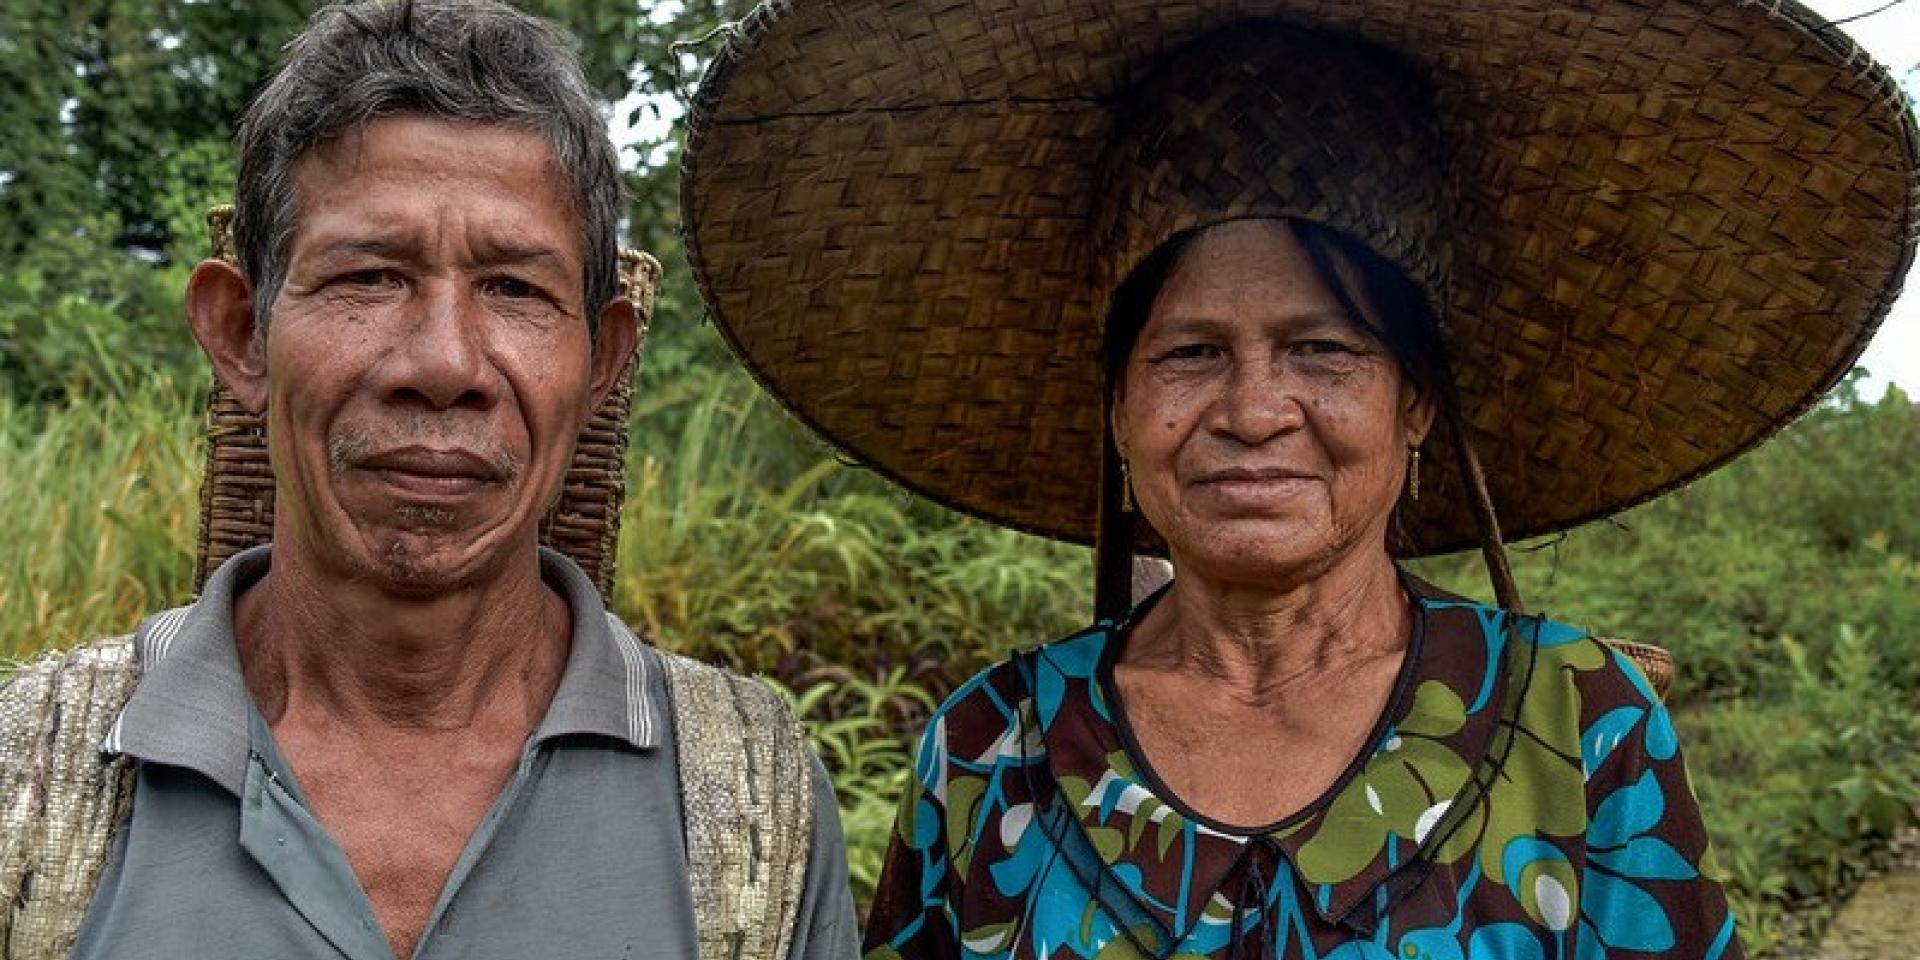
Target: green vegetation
[{"x": 1788, "y": 584}]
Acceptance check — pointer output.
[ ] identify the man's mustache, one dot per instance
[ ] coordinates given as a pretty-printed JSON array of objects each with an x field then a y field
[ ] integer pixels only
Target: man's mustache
[{"x": 353, "y": 446}]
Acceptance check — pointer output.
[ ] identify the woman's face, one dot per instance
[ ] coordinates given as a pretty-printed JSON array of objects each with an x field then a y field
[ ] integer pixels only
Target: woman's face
[{"x": 1267, "y": 432}]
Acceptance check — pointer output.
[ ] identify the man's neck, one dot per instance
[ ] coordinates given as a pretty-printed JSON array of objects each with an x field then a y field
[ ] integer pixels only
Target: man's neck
[{"x": 339, "y": 648}]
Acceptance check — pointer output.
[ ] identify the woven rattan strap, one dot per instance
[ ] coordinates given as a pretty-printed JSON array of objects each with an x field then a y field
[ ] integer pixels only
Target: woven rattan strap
[
  {"x": 63, "y": 798},
  {"x": 744, "y": 775},
  {"x": 746, "y": 789}
]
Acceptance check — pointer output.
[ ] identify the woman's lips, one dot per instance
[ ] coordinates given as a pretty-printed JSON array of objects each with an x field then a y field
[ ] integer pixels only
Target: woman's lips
[{"x": 1241, "y": 487}]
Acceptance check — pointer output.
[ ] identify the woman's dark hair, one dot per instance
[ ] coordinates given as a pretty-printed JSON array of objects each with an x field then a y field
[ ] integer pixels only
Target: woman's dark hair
[{"x": 1402, "y": 319}]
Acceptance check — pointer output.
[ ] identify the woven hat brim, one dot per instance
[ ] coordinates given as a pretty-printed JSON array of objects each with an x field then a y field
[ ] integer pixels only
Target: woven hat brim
[{"x": 1679, "y": 223}]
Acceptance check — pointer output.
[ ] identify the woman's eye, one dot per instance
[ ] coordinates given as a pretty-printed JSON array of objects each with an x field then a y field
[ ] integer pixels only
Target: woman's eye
[{"x": 1322, "y": 347}]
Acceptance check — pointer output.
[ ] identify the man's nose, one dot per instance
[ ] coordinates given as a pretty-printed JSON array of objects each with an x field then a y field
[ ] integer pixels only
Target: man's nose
[
  {"x": 1261, "y": 401},
  {"x": 443, "y": 361}
]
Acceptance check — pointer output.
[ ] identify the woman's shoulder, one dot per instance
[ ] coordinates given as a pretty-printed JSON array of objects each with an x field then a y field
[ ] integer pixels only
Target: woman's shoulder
[
  {"x": 1581, "y": 700},
  {"x": 1603, "y": 678},
  {"x": 1575, "y": 661},
  {"x": 999, "y": 699}
]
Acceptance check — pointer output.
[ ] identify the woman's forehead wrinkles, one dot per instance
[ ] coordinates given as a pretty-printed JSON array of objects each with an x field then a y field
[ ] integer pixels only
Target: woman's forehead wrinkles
[{"x": 1312, "y": 320}]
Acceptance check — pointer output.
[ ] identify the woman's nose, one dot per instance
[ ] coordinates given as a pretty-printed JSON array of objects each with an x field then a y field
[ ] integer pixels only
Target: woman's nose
[{"x": 1259, "y": 403}]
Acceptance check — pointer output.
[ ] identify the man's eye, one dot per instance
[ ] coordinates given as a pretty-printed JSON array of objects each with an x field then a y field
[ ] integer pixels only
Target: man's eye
[
  {"x": 1191, "y": 351},
  {"x": 367, "y": 278},
  {"x": 512, "y": 288}
]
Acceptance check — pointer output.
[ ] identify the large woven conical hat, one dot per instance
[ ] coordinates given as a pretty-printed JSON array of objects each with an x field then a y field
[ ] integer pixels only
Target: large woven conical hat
[{"x": 1674, "y": 223}]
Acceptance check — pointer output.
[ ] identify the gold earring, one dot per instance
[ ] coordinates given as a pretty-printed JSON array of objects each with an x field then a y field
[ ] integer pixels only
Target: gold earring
[
  {"x": 1126, "y": 489},
  {"x": 1413, "y": 473}
]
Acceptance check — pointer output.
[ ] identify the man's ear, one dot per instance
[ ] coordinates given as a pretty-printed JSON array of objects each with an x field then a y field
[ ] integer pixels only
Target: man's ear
[
  {"x": 619, "y": 330},
  {"x": 220, "y": 311}
]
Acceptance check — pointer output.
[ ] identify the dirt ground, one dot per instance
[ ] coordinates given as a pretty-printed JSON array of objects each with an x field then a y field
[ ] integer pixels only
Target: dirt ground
[{"x": 1881, "y": 920}]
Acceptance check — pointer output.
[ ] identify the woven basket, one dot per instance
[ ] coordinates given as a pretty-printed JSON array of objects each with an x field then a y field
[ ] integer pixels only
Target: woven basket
[
  {"x": 236, "y": 496},
  {"x": 1655, "y": 662}
]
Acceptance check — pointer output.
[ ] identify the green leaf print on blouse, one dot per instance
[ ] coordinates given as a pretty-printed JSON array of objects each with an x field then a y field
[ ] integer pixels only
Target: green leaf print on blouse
[
  {"x": 1403, "y": 790},
  {"x": 963, "y": 807},
  {"x": 1542, "y": 769}
]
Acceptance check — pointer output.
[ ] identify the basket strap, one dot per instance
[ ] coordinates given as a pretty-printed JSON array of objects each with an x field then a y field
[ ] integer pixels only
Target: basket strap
[
  {"x": 746, "y": 792},
  {"x": 64, "y": 798}
]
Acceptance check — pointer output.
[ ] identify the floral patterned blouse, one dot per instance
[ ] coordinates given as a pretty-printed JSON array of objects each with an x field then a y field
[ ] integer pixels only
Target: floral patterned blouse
[{"x": 1524, "y": 797}]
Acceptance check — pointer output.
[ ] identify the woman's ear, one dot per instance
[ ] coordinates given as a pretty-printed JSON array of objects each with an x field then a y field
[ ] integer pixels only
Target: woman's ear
[
  {"x": 1117, "y": 421},
  {"x": 1417, "y": 411},
  {"x": 220, "y": 312}
]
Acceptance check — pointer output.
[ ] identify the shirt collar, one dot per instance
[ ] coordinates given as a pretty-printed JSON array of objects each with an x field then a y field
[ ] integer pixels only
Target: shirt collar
[
  {"x": 190, "y": 707},
  {"x": 1364, "y": 843},
  {"x": 611, "y": 682}
]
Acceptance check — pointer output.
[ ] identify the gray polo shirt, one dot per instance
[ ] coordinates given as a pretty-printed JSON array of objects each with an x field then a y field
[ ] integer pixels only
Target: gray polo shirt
[{"x": 581, "y": 855}]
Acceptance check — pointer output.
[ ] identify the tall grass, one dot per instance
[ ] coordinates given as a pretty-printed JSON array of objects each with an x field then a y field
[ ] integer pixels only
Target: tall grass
[
  {"x": 98, "y": 513},
  {"x": 744, "y": 544}
]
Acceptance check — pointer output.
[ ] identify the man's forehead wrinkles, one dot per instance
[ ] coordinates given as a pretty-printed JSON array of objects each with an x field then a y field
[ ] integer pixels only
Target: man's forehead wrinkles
[
  {"x": 389, "y": 245},
  {"x": 515, "y": 250},
  {"x": 481, "y": 250}
]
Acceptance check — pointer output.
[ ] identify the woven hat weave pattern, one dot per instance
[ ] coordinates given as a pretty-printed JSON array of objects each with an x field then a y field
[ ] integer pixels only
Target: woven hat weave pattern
[
  {"x": 1673, "y": 224},
  {"x": 1268, "y": 121}
]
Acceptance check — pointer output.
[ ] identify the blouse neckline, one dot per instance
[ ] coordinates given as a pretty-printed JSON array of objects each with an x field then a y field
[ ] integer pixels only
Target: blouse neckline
[
  {"x": 1121, "y": 632},
  {"x": 1364, "y": 841}
]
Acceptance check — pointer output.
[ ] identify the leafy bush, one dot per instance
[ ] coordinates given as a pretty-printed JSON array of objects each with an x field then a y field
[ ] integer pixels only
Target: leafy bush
[
  {"x": 854, "y": 725},
  {"x": 80, "y": 319},
  {"x": 745, "y": 542},
  {"x": 1798, "y": 792}
]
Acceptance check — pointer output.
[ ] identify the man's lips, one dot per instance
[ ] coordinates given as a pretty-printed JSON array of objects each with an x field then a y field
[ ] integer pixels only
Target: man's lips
[{"x": 434, "y": 472}]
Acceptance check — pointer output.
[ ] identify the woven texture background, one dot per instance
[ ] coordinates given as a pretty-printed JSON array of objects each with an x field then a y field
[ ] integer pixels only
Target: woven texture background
[
  {"x": 236, "y": 495},
  {"x": 1676, "y": 223}
]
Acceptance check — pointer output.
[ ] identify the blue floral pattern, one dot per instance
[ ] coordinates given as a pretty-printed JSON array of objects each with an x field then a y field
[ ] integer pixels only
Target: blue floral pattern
[{"x": 1525, "y": 799}]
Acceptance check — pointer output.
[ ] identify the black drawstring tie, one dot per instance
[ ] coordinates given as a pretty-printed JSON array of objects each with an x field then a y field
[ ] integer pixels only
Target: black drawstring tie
[{"x": 1253, "y": 890}]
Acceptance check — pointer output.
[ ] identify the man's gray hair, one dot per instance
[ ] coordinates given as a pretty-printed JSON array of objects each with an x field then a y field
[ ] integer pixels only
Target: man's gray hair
[{"x": 471, "y": 60}]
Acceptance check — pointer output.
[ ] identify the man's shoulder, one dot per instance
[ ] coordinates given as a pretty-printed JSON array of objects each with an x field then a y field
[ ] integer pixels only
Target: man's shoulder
[
  {"x": 748, "y": 781},
  {"x": 55, "y": 710},
  {"x": 101, "y": 669},
  {"x": 704, "y": 696}
]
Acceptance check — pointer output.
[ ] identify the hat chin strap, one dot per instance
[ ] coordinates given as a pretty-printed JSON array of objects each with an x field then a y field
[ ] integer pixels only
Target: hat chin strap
[
  {"x": 1492, "y": 548},
  {"x": 1113, "y": 539},
  {"x": 1114, "y": 532}
]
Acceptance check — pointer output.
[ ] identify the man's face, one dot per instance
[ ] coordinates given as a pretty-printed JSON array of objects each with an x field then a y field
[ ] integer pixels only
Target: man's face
[{"x": 427, "y": 360}]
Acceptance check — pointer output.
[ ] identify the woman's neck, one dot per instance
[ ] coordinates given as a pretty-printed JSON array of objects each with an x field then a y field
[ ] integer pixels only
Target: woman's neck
[{"x": 1256, "y": 640}]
